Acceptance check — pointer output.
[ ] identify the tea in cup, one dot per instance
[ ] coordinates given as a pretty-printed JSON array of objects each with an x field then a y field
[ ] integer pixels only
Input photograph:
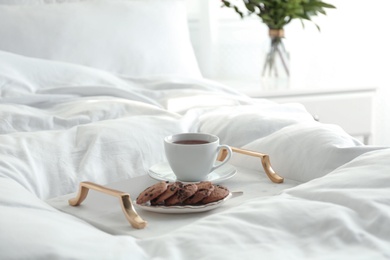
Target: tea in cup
[{"x": 192, "y": 156}]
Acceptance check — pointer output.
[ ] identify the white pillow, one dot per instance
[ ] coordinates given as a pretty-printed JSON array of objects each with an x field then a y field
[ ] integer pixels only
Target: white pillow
[{"x": 133, "y": 38}]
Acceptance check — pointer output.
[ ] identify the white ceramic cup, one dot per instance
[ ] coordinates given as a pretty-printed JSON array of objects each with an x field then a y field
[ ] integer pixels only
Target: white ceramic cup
[{"x": 192, "y": 156}]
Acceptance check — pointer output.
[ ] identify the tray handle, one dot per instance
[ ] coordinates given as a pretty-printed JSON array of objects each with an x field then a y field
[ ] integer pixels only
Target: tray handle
[
  {"x": 124, "y": 198},
  {"x": 265, "y": 161}
]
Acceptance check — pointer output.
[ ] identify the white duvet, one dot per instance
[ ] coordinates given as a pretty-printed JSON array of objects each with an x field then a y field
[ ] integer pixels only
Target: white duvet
[{"x": 61, "y": 124}]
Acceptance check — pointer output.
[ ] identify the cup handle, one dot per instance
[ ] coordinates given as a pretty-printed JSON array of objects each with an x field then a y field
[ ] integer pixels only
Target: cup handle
[{"x": 227, "y": 158}]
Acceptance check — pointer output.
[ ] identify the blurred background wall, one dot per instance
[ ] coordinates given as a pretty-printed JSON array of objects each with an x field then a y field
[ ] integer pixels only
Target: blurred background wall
[{"x": 351, "y": 50}]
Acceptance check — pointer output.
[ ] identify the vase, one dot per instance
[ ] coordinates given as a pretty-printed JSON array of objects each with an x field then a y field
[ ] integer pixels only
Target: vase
[{"x": 276, "y": 68}]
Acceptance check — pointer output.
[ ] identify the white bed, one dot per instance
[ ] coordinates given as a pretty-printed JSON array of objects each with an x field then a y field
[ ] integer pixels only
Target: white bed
[{"x": 88, "y": 91}]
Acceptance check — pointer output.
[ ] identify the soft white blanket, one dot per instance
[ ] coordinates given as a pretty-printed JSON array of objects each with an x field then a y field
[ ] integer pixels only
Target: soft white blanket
[{"x": 62, "y": 123}]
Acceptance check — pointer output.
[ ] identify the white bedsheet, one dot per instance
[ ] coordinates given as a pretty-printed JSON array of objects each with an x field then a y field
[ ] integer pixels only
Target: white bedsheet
[{"x": 61, "y": 124}]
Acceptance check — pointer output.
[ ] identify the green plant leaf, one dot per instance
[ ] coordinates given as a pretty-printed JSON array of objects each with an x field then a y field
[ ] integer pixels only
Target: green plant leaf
[{"x": 278, "y": 13}]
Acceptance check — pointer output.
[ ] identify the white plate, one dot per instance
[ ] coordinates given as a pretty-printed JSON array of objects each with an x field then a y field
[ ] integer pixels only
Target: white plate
[
  {"x": 184, "y": 208},
  {"x": 163, "y": 172}
]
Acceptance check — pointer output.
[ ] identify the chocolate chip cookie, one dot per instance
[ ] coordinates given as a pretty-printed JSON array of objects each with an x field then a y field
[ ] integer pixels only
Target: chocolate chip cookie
[
  {"x": 152, "y": 192},
  {"x": 205, "y": 188},
  {"x": 182, "y": 194},
  {"x": 219, "y": 192},
  {"x": 171, "y": 190}
]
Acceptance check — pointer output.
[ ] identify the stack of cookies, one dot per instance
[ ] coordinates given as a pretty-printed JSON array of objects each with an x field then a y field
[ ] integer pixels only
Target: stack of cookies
[{"x": 178, "y": 193}]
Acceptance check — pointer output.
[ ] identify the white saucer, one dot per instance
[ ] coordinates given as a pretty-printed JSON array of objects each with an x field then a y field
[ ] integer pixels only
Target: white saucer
[{"x": 163, "y": 172}]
